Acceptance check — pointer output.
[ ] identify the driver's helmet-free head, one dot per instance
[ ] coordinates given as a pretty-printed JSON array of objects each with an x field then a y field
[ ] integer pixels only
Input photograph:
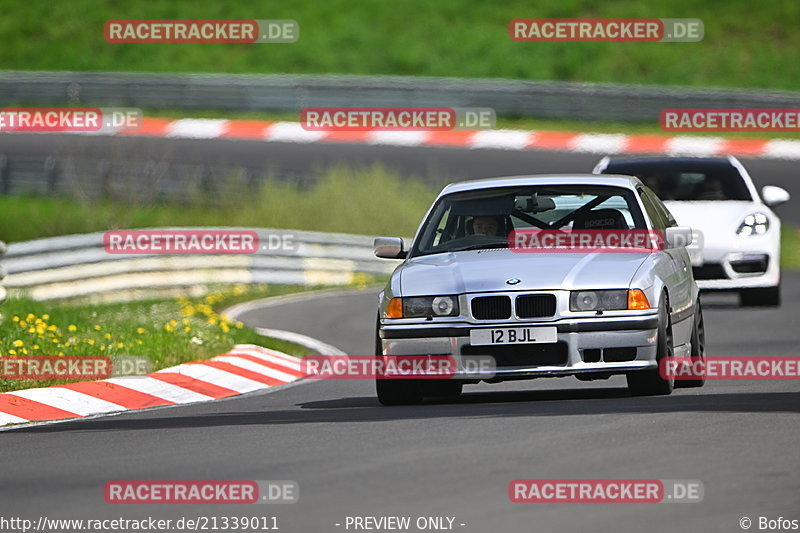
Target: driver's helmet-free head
[{"x": 485, "y": 225}]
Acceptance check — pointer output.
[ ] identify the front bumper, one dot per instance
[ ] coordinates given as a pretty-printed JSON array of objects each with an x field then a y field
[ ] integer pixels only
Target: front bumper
[
  {"x": 736, "y": 262},
  {"x": 601, "y": 346},
  {"x": 738, "y": 270}
]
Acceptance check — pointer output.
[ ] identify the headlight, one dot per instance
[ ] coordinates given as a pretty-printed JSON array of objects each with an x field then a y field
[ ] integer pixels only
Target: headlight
[
  {"x": 424, "y": 306},
  {"x": 614, "y": 300},
  {"x": 755, "y": 224}
]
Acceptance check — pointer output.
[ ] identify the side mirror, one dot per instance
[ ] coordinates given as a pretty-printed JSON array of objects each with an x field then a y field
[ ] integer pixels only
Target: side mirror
[
  {"x": 389, "y": 248},
  {"x": 679, "y": 237},
  {"x": 773, "y": 195}
]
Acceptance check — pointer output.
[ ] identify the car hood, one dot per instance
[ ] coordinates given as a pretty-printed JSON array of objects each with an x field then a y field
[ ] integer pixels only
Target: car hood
[
  {"x": 488, "y": 270},
  {"x": 711, "y": 217}
]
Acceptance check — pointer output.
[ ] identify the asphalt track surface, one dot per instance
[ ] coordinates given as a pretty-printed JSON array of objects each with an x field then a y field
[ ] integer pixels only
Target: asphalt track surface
[
  {"x": 435, "y": 165},
  {"x": 352, "y": 457}
]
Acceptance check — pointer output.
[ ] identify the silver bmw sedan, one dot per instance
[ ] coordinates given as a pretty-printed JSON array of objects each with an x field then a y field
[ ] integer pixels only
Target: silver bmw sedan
[{"x": 543, "y": 276}]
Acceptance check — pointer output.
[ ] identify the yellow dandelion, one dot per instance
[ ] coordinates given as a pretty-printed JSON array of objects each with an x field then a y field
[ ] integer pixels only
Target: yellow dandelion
[
  {"x": 23, "y": 324},
  {"x": 107, "y": 336},
  {"x": 239, "y": 324},
  {"x": 15, "y": 318},
  {"x": 90, "y": 341},
  {"x": 120, "y": 345},
  {"x": 138, "y": 341},
  {"x": 17, "y": 343},
  {"x": 72, "y": 327},
  {"x": 139, "y": 330},
  {"x": 97, "y": 327},
  {"x": 52, "y": 328},
  {"x": 12, "y": 352},
  {"x": 46, "y": 317}
]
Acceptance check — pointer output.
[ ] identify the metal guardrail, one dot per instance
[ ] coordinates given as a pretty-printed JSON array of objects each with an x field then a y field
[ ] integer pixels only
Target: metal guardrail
[
  {"x": 134, "y": 180},
  {"x": 290, "y": 93},
  {"x": 76, "y": 266}
]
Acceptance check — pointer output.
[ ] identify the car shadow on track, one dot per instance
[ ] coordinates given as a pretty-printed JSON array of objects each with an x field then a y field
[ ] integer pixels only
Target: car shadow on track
[{"x": 476, "y": 405}]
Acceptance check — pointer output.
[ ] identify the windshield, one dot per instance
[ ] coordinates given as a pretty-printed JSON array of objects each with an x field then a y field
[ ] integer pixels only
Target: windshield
[
  {"x": 686, "y": 180},
  {"x": 484, "y": 219}
]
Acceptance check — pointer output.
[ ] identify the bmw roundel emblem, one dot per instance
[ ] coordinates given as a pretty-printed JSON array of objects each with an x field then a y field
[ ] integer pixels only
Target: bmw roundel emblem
[{"x": 512, "y": 281}]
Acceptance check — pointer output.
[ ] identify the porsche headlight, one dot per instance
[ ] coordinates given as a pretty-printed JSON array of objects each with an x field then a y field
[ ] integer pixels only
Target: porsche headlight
[
  {"x": 614, "y": 300},
  {"x": 425, "y": 306},
  {"x": 755, "y": 224}
]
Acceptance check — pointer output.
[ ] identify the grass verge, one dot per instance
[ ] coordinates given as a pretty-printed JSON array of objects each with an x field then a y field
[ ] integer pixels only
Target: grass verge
[
  {"x": 743, "y": 45},
  {"x": 368, "y": 201},
  {"x": 168, "y": 332}
]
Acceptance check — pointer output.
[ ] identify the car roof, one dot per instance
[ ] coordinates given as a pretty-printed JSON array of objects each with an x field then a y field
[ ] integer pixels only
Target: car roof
[
  {"x": 610, "y": 180},
  {"x": 672, "y": 159}
]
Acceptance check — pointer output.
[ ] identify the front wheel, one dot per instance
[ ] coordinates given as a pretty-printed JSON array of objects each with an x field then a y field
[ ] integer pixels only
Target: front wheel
[
  {"x": 443, "y": 388},
  {"x": 649, "y": 382},
  {"x": 399, "y": 391},
  {"x": 395, "y": 391},
  {"x": 698, "y": 352}
]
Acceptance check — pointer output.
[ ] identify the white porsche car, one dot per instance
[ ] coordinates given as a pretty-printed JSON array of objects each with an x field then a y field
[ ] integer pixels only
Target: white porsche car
[{"x": 737, "y": 235}]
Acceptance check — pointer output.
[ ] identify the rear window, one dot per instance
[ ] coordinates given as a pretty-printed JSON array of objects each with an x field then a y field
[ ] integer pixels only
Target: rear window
[{"x": 686, "y": 180}]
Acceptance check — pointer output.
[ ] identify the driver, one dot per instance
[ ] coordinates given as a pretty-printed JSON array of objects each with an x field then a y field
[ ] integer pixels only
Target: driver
[{"x": 485, "y": 225}]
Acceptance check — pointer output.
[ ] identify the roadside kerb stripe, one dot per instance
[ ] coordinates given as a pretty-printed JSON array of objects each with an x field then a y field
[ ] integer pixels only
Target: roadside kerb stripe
[
  {"x": 571, "y": 141},
  {"x": 245, "y": 368}
]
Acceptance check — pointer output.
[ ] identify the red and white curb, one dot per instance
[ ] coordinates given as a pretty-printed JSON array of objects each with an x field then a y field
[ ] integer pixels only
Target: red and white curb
[
  {"x": 598, "y": 143},
  {"x": 245, "y": 368}
]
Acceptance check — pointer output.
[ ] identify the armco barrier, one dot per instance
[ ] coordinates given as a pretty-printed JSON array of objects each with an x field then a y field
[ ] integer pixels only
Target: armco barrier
[
  {"x": 77, "y": 265},
  {"x": 291, "y": 93}
]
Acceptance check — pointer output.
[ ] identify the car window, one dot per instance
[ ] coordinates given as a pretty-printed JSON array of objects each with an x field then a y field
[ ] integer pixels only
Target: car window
[
  {"x": 486, "y": 217},
  {"x": 686, "y": 179},
  {"x": 661, "y": 208},
  {"x": 656, "y": 217}
]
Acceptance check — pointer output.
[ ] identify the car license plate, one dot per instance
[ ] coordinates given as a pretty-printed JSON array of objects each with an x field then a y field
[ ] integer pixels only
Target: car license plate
[{"x": 534, "y": 335}]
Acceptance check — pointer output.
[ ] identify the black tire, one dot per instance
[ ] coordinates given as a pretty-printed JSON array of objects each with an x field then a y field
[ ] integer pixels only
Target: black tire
[
  {"x": 698, "y": 349},
  {"x": 443, "y": 388},
  {"x": 649, "y": 382},
  {"x": 399, "y": 391},
  {"x": 766, "y": 297},
  {"x": 395, "y": 391}
]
